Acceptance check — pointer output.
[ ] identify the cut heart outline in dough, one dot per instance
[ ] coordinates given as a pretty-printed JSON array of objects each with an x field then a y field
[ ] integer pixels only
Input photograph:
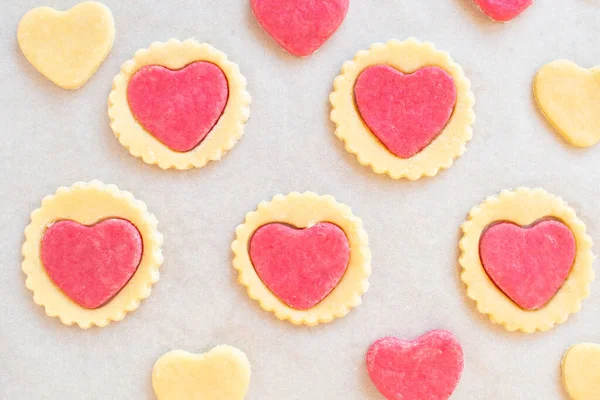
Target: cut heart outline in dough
[
  {"x": 300, "y": 266},
  {"x": 428, "y": 367},
  {"x": 300, "y": 27},
  {"x": 581, "y": 371},
  {"x": 569, "y": 97},
  {"x": 67, "y": 47},
  {"x": 503, "y": 10},
  {"x": 528, "y": 263},
  {"x": 223, "y": 373}
]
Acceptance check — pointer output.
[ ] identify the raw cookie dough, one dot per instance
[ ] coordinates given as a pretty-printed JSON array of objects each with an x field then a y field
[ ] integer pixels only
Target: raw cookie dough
[
  {"x": 581, "y": 371},
  {"x": 300, "y": 26},
  {"x": 503, "y": 10},
  {"x": 428, "y": 367},
  {"x": 220, "y": 374},
  {"x": 67, "y": 47},
  {"x": 183, "y": 58},
  {"x": 407, "y": 57},
  {"x": 302, "y": 211},
  {"x": 89, "y": 204},
  {"x": 524, "y": 207},
  {"x": 569, "y": 97}
]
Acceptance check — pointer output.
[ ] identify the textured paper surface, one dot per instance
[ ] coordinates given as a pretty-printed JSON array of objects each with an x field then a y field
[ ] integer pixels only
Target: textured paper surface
[{"x": 51, "y": 137}]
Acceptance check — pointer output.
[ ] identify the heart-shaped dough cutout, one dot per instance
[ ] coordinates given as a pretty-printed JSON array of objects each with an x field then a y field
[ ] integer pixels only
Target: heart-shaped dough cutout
[
  {"x": 405, "y": 112},
  {"x": 503, "y": 10},
  {"x": 300, "y": 266},
  {"x": 91, "y": 264},
  {"x": 428, "y": 367},
  {"x": 581, "y": 371},
  {"x": 528, "y": 264},
  {"x": 181, "y": 107},
  {"x": 221, "y": 374},
  {"x": 569, "y": 97},
  {"x": 67, "y": 47},
  {"x": 300, "y": 26}
]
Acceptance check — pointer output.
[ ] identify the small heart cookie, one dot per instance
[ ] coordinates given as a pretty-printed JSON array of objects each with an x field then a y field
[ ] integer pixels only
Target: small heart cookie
[
  {"x": 300, "y": 266},
  {"x": 67, "y": 47},
  {"x": 503, "y": 10},
  {"x": 91, "y": 264},
  {"x": 178, "y": 107},
  {"x": 300, "y": 26},
  {"x": 405, "y": 112},
  {"x": 569, "y": 97},
  {"x": 221, "y": 374},
  {"x": 528, "y": 264},
  {"x": 581, "y": 371},
  {"x": 428, "y": 367}
]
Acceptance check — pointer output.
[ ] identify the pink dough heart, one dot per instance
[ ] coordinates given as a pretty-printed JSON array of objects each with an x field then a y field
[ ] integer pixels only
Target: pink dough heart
[
  {"x": 528, "y": 264},
  {"x": 503, "y": 10},
  {"x": 300, "y": 26},
  {"x": 178, "y": 107},
  {"x": 428, "y": 367},
  {"x": 405, "y": 112},
  {"x": 300, "y": 266},
  {"x": 91, "y": 264}
]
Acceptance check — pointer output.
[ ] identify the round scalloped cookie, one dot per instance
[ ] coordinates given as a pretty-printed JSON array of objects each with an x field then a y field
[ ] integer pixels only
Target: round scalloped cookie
[
  {"x": 90, "y": 204},
  {"x": 407, "y": 57},
  {"x": 524, "y": 207},
  {"x": 304, "y": 213},
  {"x": 175, "y": 56}
]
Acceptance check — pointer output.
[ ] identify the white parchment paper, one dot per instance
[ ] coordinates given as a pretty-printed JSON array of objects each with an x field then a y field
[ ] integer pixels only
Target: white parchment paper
[{"x": 50, "y": 137}]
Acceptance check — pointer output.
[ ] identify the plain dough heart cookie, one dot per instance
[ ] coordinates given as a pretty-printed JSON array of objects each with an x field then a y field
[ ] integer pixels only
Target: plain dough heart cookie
[
  {"x": 503, "y": 10},
  {"x": 581, "y": 371},
  {"x": 428, "y": 367},
  {"x": 67, "y": 47},
  {"x": 221, "y": 374},
  {"x": 300, "y": 26},
  {"x": 569, "y": 97}
]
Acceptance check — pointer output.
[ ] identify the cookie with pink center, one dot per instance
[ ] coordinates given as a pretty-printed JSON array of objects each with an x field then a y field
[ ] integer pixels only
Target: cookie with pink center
[
  {"x": 403, "y": 108},
  {"x": 179, "y": 104},
  {"x": 526, "y": 259},
  {"x": 91, "y": 254},
  {"x": 428, "y": 367},
  {"x": 303, "y": 257},
  {"x": 503, "y": 10},
  {"x": 301, "y": 27}
]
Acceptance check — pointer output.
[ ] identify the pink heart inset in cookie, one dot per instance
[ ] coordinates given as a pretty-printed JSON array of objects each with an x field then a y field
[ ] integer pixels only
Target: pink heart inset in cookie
[
  {"x": 428, "y": 367},
  {"x": 503, "y": 10},
  {"x": 300, "y": 26},
  {"x": 91, "y": 264},
  {"x": 405, "y": 112},
  {"x": 528, "y": 264},
  {"x": 300, "y": 266},
  {"x": 178, "y": 107}
]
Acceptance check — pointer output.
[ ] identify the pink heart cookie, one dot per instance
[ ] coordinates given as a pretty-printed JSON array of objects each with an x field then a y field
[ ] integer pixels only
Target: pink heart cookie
[
  {"x": 405, "y": 112},
  {"x": 178, "y": 107},
  {"x": 91, "y": 264},
  {"x": 300, "y": 26},
  {"x": 428, "y": 367},
  {"x": 300, "y": 266},
  {"x": 528, "y": 264},
  {"x": 503, "y": 10}
]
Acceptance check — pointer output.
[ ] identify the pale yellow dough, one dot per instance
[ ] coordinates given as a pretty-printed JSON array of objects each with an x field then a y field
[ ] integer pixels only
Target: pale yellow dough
[
  {"x": 302, "y": 211},
  {"x": 569, "y": 97},
  {"x": 524, "y": 206},
  {"x": 67, "y": 47},
  {"x": 221, "y": 374},
  {"x": 176, "y": 55},
  {"x": 581, "y": 371},
  {"x": 407, "y": 56},
  {"x": 89, "y": 203}
]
